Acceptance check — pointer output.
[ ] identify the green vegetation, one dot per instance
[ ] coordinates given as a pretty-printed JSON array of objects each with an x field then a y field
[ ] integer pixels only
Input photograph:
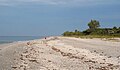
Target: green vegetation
[{"x": 94, "y": 31}]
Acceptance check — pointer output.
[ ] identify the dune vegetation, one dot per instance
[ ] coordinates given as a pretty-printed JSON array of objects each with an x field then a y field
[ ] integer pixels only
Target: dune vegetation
[{"x": 95, "y": 31}]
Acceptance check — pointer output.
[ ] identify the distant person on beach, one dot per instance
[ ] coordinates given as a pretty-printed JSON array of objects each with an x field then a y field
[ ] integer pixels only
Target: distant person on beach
[
  {"x": 45, "y": 37},
  {"x": 45, "y": 41}
]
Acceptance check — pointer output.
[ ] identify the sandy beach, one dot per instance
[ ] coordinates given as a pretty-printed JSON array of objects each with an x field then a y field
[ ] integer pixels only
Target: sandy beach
[{"x": 61, "y": 53}]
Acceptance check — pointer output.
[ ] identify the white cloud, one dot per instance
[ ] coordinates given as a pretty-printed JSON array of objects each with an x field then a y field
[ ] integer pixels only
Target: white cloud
[{"x": 58, "y": 2}]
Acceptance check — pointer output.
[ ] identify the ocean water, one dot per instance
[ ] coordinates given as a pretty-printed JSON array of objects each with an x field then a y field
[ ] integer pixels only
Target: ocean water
[{"x": 10, "y": 39}]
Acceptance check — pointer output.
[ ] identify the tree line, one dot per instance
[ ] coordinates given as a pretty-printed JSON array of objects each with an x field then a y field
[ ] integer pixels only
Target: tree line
[{"x": 94, "y": 29}]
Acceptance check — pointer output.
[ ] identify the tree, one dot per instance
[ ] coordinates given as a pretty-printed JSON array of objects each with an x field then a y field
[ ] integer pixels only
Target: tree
[
  {"x": 77, "y": 33},
  {"x": 93, "y": 24},
  {"x": 76, "y": 30},
  {"x": 119, "y": 28},
  {"x": 114, "y": 28}
]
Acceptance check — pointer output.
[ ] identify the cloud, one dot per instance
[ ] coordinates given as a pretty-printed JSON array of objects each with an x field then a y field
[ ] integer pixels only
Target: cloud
[{"x": 58, "y": 2}]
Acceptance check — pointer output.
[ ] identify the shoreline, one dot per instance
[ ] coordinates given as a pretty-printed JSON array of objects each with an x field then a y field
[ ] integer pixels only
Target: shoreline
[
  {"x": 11, "y": 39},
  {"x": 60, "y": 53}
]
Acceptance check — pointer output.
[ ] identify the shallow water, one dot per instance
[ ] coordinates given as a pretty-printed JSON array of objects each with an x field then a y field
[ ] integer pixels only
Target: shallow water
[{"x": 10, "y": 39}]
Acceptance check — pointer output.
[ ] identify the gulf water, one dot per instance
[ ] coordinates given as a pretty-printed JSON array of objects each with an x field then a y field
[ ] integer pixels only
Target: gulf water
[{"x": 10, "y": 39}]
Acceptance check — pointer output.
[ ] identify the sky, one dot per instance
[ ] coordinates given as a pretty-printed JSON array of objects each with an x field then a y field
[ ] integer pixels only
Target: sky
[{"x": 53, "y": 17}]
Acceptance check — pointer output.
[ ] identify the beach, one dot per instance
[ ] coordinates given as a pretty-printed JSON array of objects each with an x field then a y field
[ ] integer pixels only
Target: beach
[{"x": 61, "y": 53}]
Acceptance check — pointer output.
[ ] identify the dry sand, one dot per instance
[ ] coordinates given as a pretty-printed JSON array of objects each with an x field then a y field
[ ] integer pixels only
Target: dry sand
[{"x": 61, "y": 53}]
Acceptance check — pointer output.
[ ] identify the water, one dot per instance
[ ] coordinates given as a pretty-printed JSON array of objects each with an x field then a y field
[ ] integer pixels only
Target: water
[{"x": 10, "y": 39}]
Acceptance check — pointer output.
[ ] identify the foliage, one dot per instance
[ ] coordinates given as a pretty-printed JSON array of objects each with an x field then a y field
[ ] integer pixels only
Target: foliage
[
  {"x": 95, "y": 31},
  {"x": 93, "y": 24},
  {"x": 75, "y": 33}
]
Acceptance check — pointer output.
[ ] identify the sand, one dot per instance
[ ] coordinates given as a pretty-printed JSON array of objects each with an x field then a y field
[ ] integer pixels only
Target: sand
[{"x": 61, "y": 53}]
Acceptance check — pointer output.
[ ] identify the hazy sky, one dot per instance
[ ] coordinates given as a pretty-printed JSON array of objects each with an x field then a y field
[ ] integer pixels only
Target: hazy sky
[{"x": 53, "y": 17}]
